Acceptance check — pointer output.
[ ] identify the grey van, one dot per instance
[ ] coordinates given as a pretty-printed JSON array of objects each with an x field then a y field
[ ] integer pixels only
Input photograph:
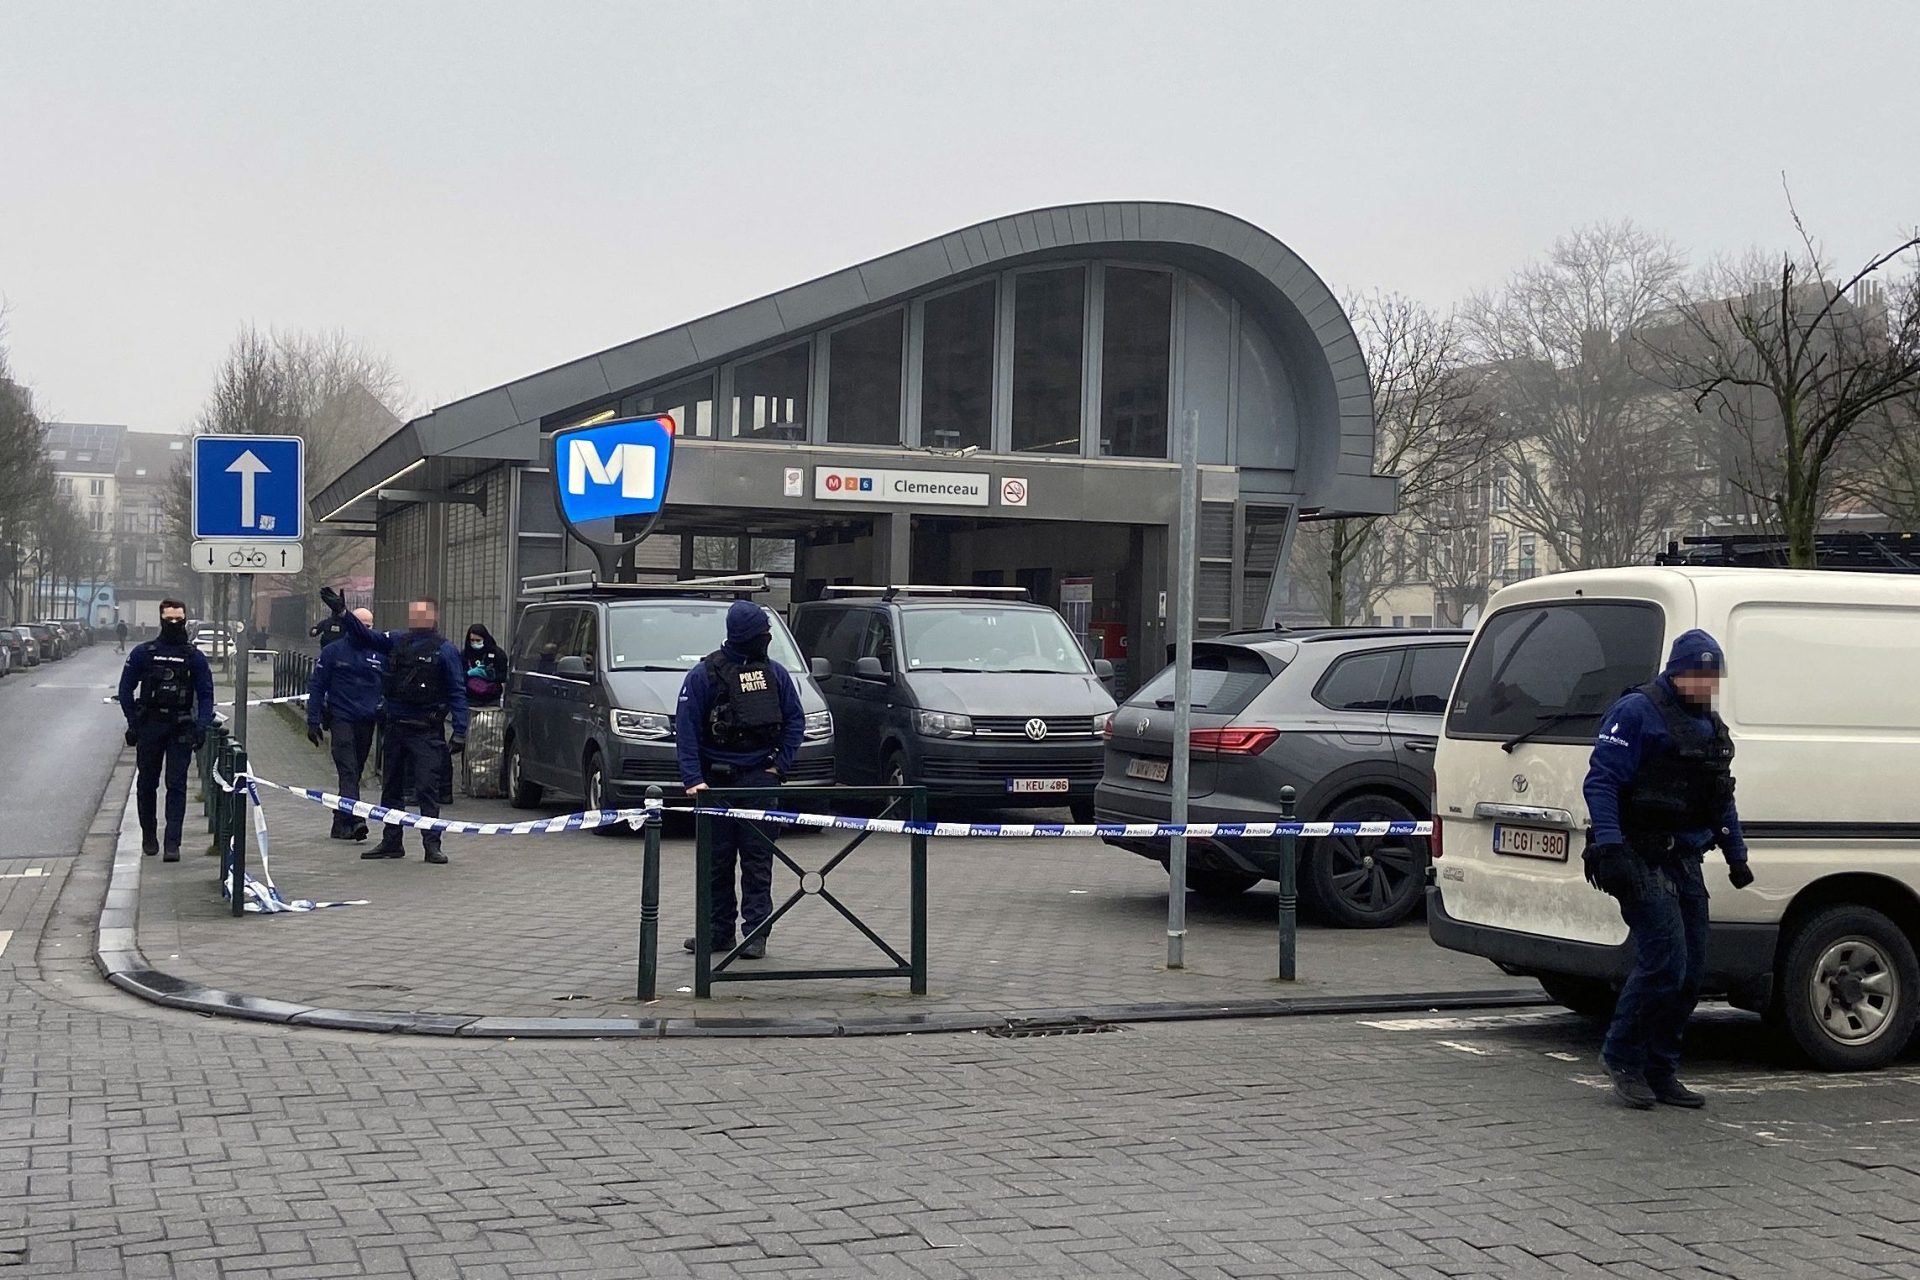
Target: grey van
[
  {"x": 595, "y": 681},
  {"x": 985, "y": 699}
]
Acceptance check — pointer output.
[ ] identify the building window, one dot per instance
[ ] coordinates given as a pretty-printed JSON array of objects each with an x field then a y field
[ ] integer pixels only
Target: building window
[
  {"x": 863, "y": 380},
  {"x": 770, "y": 395},
  {"x": 1421, "y": 621},
  {"x": 1526, "y": 556},
  {"x": 1497, "y": 555},
  {"x": 956, "y": 368},
  {"x": 94, "y": 521},
  {"x": 1136, "y": 352},
  {"x": 97, "y": 488},
  {"x": 690, "y": 403},
  {"x": 1049, "y": 340},
  {"x": 64, "y": 486},
  {"x": 1502, "y": 489}
]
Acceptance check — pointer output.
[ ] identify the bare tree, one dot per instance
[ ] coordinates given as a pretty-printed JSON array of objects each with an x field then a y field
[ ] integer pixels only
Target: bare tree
[
  {"x": 1602, "y": 453},
  {"x": 1789, "y": 361},
  {"x": 1434, "y": 431}
]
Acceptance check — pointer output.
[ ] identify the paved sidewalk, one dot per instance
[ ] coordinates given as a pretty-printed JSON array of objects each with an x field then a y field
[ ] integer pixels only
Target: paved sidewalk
[{"x": 547, "y": 926}]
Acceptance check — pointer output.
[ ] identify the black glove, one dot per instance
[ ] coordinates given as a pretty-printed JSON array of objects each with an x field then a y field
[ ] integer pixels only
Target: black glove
[
  {"x": 333, "y": 600},
  {"x": 314, "y": 735},
  {"x": 133, "y": 736},
  {"x": 198, "y": 738},
  {"x": 1740, "y": 873},
  {"x": 1609, "y": 868},
  {"x": 456, "y": 745}
]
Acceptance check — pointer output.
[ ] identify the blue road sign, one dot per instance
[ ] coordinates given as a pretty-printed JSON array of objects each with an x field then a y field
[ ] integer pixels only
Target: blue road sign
[
  {"x": 614, "y": 469},
  {"x": 252, "y": 487}
]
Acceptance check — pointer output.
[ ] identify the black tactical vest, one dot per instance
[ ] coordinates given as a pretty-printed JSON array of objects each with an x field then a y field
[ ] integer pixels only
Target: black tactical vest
[
  {"x": 416, "y": 682},
  {"x": 745, "y": 715},
  {"x": 166, "y": 687},
  {"x": 1688, "y": 786}
]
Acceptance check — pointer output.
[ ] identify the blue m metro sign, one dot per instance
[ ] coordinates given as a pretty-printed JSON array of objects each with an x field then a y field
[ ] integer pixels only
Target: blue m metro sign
[{"x": 609, "y": 472}]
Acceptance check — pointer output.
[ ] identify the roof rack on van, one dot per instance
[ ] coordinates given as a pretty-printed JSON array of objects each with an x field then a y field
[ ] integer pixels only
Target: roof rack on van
[
  {"x": 1870, "y": 552},
  {"x": 911, "y": 591},
  {"x": 583, "y": 582}
]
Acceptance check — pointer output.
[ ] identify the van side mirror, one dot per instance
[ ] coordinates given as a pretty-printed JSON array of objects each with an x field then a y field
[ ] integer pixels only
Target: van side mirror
[
  {"x": 819, "y": 668},
  {"x": 1102, "y": 669},
  {"x": 572, "y": 667},
  {"x": 869, "y": 669}
]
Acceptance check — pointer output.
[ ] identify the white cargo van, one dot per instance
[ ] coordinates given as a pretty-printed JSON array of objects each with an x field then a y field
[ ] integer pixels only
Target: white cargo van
[{"x": 1823, "y": 699}]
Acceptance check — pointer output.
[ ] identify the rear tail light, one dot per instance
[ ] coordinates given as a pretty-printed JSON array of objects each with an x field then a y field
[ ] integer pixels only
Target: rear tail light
[
  {"x": 1234, "y": 742},
  {"x": 1433, "y": 841}
]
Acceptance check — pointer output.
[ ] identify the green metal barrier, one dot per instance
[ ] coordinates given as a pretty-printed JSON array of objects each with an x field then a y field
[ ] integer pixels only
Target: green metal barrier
[
  {"x": 913, "y": 966},
  {"x": 650, "y": 899}
]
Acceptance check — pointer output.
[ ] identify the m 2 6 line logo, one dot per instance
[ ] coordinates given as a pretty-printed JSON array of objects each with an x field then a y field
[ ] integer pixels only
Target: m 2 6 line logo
[{"x": 613, "y": 469}]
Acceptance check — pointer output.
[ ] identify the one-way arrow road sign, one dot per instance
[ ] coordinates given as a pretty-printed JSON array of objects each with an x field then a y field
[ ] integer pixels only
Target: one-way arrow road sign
[{"x": 249, "y": 487}]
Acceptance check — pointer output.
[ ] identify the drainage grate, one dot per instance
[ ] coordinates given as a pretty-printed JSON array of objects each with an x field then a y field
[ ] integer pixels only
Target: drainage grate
[{"x": 1033, "y": 1029}]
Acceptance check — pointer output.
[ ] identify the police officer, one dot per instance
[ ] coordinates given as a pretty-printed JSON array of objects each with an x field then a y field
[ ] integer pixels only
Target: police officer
[
  {"x": 343, "y": 698},
  {"x": 1660, "y": 792},
  {"x": 425, "y": 685},
  {"x": 166, "y": 691},
  {"x": 738, "y": 724}
]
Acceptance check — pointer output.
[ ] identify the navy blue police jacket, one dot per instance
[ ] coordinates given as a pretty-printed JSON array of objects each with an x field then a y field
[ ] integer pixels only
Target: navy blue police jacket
[
  {"x": 136, "y": 670},
  {"x": 451, "y": 668},
  {"x": 1633, "y": 733},
  {"x": 348, "y": 681}
]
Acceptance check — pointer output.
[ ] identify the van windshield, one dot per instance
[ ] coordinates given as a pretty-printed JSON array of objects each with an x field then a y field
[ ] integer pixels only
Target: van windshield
[
  {"x": 1550, "y": 671},
  {"x": 991, "y": 639},
  {"x": 673, "y": 637}
]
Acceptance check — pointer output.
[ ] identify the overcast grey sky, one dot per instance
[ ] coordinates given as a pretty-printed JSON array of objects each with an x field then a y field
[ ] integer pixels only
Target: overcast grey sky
[{"x": 481, "y": 190}]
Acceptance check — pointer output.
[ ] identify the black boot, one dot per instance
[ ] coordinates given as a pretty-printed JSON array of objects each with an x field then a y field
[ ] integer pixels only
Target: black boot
[
  {"x": 436, "y": 857},
  {"x": 720, "y": 945},
  {"x": 1630, "y": 1087},
  {"x": 1669, "y": 1091},
  {"x": 756, "y": 947},
  {"x": 172, "y": 854},
  {"x": 384, "y": 850},
  {"x": 149, "y": 843}
]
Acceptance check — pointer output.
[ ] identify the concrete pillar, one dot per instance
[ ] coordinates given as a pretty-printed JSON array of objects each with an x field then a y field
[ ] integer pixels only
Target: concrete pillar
[{"x": 892, "y": 549}]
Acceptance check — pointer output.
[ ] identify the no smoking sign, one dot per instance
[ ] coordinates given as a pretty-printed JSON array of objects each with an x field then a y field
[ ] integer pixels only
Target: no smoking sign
[{"x": 1013, "y": 492}]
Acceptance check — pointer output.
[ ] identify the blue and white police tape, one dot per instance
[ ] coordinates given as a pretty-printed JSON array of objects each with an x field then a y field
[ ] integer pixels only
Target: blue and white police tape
[
  {"x": 252, "y": 702},
  {"x": 589, "y": 819},
  {"x": 261, "y": 895}
]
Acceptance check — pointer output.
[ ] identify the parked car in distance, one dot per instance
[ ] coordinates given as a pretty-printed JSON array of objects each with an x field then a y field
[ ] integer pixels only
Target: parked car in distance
[
  {"x": 595, "y": 683},
  {"x": 23, "y": 649},
  {"x": 212, "y": 641},
  {"x": 53, "y": 642},
  {"x": 80, "y": 632},
  {"x": 1346, "y": 717},
  {"x": 973, "y": 693}
]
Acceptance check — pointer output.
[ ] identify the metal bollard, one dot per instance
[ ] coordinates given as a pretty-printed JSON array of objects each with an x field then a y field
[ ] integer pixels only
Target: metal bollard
[
  {"x": 650, "y": 896},
  {"x": 237, "y": 815},
  {"x": 1289, "y": 888}
]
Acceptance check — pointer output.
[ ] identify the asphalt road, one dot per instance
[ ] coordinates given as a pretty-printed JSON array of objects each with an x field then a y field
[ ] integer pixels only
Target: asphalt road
[{"x": 58, "y": 741}]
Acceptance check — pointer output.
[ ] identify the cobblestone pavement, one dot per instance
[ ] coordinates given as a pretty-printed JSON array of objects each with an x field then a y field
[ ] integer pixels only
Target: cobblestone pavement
[{"x": 548, "y": 925}]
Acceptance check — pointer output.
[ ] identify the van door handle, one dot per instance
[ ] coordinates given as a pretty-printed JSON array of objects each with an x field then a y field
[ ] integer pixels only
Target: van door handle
[{"x": 1424, "y": 745}]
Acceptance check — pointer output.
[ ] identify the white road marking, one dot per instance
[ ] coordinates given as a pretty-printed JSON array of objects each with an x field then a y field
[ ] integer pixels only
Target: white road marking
[
  {"x": 1466, "y": 1024},
  {"x": 31, "y": 873},
  {"x": 6, "y": 936},
  {"x": 1473, "y": 1049}
]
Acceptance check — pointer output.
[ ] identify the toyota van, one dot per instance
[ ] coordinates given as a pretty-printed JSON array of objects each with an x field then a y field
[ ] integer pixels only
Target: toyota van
[{"x": 1824, "y": 709}]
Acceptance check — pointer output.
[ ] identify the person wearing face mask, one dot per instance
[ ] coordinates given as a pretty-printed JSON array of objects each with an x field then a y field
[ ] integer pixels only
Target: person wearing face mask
[
  {"x": 738, "y": 724},
  {"x": 166, "y": 691},
  {"x": 1659, "y": 789},
  {"x": 425, "y": 687},
  {"x": 486, "y": 665},
  {"x": 344, "y": 697}
]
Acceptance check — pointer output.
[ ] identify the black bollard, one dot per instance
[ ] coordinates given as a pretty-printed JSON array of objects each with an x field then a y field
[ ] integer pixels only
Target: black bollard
[
  {"x": 650, "y": 896},
  {"x": 1289, "y": 888}
]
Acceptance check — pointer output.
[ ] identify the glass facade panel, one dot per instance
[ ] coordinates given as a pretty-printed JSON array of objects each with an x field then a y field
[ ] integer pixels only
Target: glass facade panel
[
  {"x": 770, "y": 395},
  {"x": 1136, "y": 351},
  {"x": 690, "y": 402},
  {"x": 956, "y": 378},
  {"x": 863, "y": 380},
  {"x": 1049, "y": 338}
]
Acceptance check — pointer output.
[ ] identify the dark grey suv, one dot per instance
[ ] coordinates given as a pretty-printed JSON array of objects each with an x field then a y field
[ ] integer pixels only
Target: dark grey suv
[{"x": 1347, "y": 718}]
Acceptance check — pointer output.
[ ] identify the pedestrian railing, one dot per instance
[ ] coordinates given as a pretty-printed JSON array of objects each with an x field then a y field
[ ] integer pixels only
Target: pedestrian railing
[
  {"x": 292, "y": 671},
  {"x": 221, "y": 762},
  {"x": 897, "y": 802}
]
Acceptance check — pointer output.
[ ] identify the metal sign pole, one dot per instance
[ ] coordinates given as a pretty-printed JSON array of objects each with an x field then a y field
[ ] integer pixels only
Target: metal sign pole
[
  {"x": 245, "y": 660},
  {"x": 1186, "y": 562}
]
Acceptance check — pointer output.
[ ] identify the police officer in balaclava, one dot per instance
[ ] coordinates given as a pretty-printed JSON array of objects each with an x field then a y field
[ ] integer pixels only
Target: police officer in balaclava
[
  {"x": 739, "y": 724},
  {"x": 166, "y": 691}
]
